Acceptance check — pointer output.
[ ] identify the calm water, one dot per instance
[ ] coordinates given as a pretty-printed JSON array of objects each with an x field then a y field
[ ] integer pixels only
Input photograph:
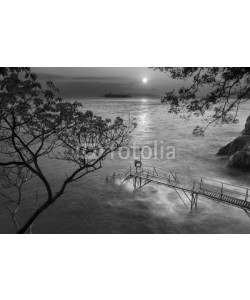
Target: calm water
[{"x": 94, "y": 206}]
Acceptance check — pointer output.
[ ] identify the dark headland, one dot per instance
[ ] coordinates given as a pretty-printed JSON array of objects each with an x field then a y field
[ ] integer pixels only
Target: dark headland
[{"x": 117, "y": 95}]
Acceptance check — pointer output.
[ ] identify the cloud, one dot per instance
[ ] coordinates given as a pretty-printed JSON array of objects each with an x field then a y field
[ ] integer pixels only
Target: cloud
[
  {"x": 76, "y": 89},
  {"x": 80, "y": 82},
  {"x": 90, "y": 79},
  {"x": 49, "y": 76},
  {"x": 100, "y": 78}
]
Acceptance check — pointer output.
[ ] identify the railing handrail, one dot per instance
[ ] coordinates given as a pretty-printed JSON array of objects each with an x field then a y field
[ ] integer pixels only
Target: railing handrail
[
  {"x": 195, "y": 176},
  {"x": 127, "y": 171},
  {"x": 198, "y": 182}
]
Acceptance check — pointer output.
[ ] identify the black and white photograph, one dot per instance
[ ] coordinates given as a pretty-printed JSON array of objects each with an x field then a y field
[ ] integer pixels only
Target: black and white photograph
[{"x": 124, "y": 150}]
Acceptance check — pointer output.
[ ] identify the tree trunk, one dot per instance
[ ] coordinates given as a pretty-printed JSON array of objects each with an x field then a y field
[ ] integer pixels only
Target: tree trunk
[{"x": 30, "y": 221}]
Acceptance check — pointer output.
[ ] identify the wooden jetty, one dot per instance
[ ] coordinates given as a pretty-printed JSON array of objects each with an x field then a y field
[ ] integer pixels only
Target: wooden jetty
[{"x": 191, "y": 186}]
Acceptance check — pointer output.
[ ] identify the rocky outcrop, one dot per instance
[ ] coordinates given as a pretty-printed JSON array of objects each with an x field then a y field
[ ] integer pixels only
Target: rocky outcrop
[
  {"x": 238, "y": 151},
  {"x": 246, "y": 130},
  {"x": 241, "y": 159},
  {"x": 240, "y": 143}
]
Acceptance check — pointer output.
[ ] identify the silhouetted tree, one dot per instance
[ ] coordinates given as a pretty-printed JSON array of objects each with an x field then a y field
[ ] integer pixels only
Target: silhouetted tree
[
  {"x": 36, "y": 123},
  {"x": 227, "y": 89}
]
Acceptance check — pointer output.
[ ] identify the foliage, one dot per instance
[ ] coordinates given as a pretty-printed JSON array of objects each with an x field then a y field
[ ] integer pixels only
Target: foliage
[
  {"x": 36, "y": 123},
  {"x": 227, "y": 88}
]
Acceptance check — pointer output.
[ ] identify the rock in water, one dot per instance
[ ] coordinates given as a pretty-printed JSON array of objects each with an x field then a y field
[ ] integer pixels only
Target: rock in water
[
  {"x": 239, "y": 144},
  {"x": 241, "y": 159},
  {"x": 247, "y": 128},
  {"x": 246, "y": 131},
  {"x": 238, "y": 151}
]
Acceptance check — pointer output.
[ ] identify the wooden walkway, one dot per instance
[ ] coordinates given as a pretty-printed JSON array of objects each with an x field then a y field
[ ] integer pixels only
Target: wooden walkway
[{"x": 192, "y": 187}]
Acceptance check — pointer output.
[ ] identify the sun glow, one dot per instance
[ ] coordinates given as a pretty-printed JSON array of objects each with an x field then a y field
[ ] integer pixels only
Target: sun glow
[{"x": 144, "y": 80}]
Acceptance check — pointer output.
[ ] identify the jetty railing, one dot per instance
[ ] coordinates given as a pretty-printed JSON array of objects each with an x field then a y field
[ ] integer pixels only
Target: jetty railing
[{"x": 194, "y": 182}]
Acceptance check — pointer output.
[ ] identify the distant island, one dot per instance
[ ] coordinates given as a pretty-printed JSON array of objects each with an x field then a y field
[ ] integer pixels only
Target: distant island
[{"x": 117, "y": 95}]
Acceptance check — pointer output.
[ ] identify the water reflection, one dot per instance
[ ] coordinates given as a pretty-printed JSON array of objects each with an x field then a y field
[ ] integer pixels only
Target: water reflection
[{"x": 94, "y": 206}]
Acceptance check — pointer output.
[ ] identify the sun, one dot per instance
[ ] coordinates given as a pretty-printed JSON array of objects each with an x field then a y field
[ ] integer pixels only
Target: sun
[{"x": 144, "y": 80}]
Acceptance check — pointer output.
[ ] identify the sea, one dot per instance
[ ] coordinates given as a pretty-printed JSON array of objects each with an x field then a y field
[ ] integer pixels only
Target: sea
[{"x": 95, "y": 205}]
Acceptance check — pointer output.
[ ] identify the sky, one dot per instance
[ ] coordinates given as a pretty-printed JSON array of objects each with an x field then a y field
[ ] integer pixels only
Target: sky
[{"x": 75, "y": 83}]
